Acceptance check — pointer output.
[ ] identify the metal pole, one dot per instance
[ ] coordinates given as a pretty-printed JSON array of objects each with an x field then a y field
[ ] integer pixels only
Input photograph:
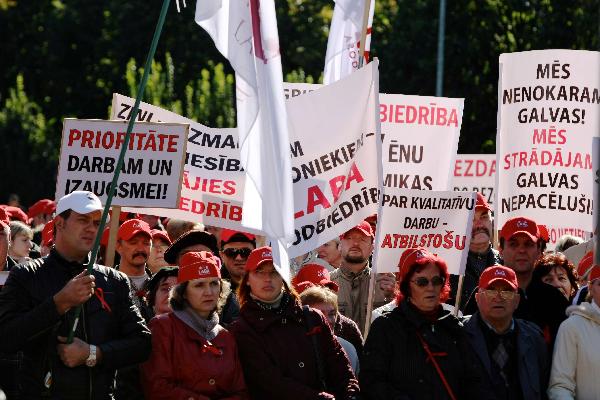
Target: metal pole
[{"x": 440, "y": 53}]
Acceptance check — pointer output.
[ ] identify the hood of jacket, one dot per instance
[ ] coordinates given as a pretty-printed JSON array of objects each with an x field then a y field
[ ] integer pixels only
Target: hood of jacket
[{"x": 586, "y": 310}]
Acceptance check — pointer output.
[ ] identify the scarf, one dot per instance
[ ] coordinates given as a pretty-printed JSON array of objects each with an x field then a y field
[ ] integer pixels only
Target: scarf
[
  {"x": 277, "y": 305},
  {"x": 207, "y": 328}
]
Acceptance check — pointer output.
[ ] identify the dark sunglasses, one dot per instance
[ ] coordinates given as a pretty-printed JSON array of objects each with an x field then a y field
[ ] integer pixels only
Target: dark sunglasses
[
  {"x": 233, "y": 253},
  {"x": 423, "y": 282}
]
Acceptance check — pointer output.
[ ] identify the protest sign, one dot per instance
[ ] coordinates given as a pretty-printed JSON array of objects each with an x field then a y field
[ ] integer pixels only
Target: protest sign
[
  {"x": 420, "y": 137},
  {"x": 475, "y": 173},
  {"x": 152, "y": 168},
  {"x": 596, "y": 185},
  {"x": 548, "y": 113},
  {"x": 335, "y": 145},
  {"x": 213, "y": 179},
  {"x": 440, "y": 221}
]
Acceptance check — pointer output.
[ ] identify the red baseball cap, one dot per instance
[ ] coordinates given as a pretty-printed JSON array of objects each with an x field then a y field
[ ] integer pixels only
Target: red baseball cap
[
  {"x": 520, "y": 225},
  {"x": 594, "y": 273},
  {"x": 482, "y": 202},
  {"x": 258, "y": 257},
  {"x": 364, "y": 227},
  {"x": 418, "y": 255},
  {"x": 15, "y": 213},
  {"x": 160, "y": 234},
  {"x": 41, "y": 207},
  {"x": 585, "y": 263},
  {"x": 4, "y": 217},
  {"x": 544, "y": 235},
  {"x": 132, "y": 227},
  {"x": 197, "y": 265},
  {"x": 238, "y": 236},
  {"x": 315, "y": 274},
  {"x": 48, "y": 233},
  {"x": 498, "y": 273}
]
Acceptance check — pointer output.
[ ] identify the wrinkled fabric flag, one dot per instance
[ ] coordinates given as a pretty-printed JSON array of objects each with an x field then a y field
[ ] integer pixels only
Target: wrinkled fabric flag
[
  {"x": 343, "y": 44},
  {"x": 245, "y": 32}
]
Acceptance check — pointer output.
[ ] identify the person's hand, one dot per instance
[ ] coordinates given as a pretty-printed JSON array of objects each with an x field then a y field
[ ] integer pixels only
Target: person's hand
[
  {"x": 387, "y": 283},
  {"x": 77, "y": 291},
  {"x": 74, "y": 354}
]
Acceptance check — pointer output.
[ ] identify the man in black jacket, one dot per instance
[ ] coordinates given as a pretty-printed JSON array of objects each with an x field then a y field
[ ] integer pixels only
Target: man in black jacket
[{"x": 37, "y": 311}]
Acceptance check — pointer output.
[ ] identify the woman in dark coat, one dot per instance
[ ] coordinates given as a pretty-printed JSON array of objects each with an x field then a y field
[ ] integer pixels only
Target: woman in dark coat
[
  {"x": 193, "y": 357},
  {"x": 418, "y": 351},
  {"x": 279, "y": 341}
]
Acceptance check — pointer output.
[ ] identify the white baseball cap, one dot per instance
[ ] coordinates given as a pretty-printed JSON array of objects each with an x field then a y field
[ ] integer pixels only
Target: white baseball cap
[{"x": 80, "y": 201}]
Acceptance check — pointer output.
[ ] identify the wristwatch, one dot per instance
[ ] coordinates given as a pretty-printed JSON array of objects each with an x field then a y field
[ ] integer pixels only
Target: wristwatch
[{"x": 91, "y": 360}]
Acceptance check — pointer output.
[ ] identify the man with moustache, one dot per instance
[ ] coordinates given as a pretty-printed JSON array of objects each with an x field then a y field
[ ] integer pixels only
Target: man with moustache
[
  {"x": 481, "y": 253},
  {"x": 134, "y": 240}
]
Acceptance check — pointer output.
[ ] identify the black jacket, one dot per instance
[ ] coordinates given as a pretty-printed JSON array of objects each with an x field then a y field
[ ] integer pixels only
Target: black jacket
[
  {"x": 30, "y": 322},
  {"x": 532, "y": 356},
  {"x": 394, "y": 365}
]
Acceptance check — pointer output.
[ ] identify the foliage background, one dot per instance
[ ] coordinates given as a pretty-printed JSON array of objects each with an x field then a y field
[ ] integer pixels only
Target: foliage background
[{"x": 65, "y": 58}]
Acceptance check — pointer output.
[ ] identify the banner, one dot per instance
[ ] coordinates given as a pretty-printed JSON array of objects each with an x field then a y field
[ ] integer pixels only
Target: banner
[
  {"x": 414, "y": 129},
  {"x": 335, "y": 149},
  {"x": 475, "y": 173},
  {"x": 548, "y": 113},
  {"x": 152, "y": 168},
  {"x": 212, "y": 184},
  {"x": 440, "y": 221},
  {"x": 596, "y": 183}
]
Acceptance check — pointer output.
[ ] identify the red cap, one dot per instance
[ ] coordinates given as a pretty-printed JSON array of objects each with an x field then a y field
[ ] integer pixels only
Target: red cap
[
  {"x": 418, "y": 255},
  {"x": 258, "y": 257},
  {"x": 197, "y": 265},
  {"x": 162, "y": 235},
  {"x": 585, "y": 263},
  {"x": 482, "y": 202},
  {"x": 594, "y": 273},
  {"x": 132, "y": 227},
  {"x": 41, "y": 207},
  {"x": 104, "y": 238},
  {"x": 498, "y": 273},
  {"x": 364, "y": 227},
  {"x": 544, "y": 235},
  {"x": 16, "y": 213},
  {"x": 48, "y": 233},
  {"x": 4, "y": 217},
  {"x": 227, "y": 234},
  {"x": 520, "y": 225},
  {"x": 315, "y": 274}
]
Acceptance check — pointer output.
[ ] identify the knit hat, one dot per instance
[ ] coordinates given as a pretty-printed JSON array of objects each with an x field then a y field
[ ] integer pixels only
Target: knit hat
[{"x": 196, "y": 265}]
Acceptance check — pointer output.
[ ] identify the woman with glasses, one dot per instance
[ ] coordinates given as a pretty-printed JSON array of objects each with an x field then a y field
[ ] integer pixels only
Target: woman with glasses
[
  {"x": 287, "y": 351},
  {"x": 418, "y": 350},
  {"x": 193, "y": 357}
]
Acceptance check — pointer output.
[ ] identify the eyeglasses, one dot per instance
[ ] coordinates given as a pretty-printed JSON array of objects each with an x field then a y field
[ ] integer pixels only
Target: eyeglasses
[
  {"x": 423, "y": 282},
  {"x": 504, "y": 294},
  {"x": 244, "y": 252}
]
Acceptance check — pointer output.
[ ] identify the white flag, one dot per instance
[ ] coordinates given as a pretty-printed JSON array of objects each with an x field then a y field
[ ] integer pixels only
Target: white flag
[
  {"x": 245, "y": 32},
  {"x": 343, "y": 44}
]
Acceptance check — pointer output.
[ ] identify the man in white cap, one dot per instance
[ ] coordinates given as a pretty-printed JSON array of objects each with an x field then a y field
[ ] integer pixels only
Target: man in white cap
[{"x": 37, "y": 312}]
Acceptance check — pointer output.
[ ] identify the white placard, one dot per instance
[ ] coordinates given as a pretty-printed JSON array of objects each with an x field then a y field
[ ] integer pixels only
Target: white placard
[
  {"x": 152, "y": 167},
  {"x": 475, "y": 173}
]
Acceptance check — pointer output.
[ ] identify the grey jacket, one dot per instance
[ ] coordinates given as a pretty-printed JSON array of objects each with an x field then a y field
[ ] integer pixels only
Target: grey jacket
[{"x": 533, "y": 363}]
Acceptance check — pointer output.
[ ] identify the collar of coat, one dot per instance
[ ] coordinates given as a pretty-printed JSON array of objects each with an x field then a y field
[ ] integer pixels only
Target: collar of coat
[
  {"x": 410, "y": 313},
  {"x": 261, "y": 319},
  {"x": 586, "y": 310}
]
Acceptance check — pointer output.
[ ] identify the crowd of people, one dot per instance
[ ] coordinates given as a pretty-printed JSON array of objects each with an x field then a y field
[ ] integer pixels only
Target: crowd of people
[{"x": 196, "y": 312}]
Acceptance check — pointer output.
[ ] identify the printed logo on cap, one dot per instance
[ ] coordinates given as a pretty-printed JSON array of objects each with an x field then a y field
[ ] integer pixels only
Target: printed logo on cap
[
  {"x": 203, "y": 270},
  {"x": 522, "y": 224},
  {"x": 90, "y": 196},
  {"x": 500, "y": 272},
  {"x": 267, "y": 253},
  {"x": 419, "y": 254}
]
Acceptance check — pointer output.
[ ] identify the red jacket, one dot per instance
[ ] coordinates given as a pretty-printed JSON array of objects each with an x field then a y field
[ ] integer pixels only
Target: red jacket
[
  {"x": 183, "y": 365},
  {"x": 279, "y": 359}
]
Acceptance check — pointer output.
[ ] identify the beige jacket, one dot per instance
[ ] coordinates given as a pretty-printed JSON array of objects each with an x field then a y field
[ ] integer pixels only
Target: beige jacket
[
  {"x": 576, "y": 363},
  {"x": 353, "y": 294}
]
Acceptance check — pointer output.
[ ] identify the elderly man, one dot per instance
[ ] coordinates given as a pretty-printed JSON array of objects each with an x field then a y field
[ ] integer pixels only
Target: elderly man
[
  {"x": 512, "y": 351},
  {"x": 37, "y": 312}
]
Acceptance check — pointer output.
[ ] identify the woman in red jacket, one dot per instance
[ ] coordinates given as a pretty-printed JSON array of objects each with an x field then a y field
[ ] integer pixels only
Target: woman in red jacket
[
  {"x": 287, "y": 352},
  {"x": 193, "y": 357}
]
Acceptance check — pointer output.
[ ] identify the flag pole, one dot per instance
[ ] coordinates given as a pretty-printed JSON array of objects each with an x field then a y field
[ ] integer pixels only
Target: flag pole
[
  {"x": 439, "y": 81},
  {"x": 363, "y": 33},
  {"x": 113, "y": 185}
]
